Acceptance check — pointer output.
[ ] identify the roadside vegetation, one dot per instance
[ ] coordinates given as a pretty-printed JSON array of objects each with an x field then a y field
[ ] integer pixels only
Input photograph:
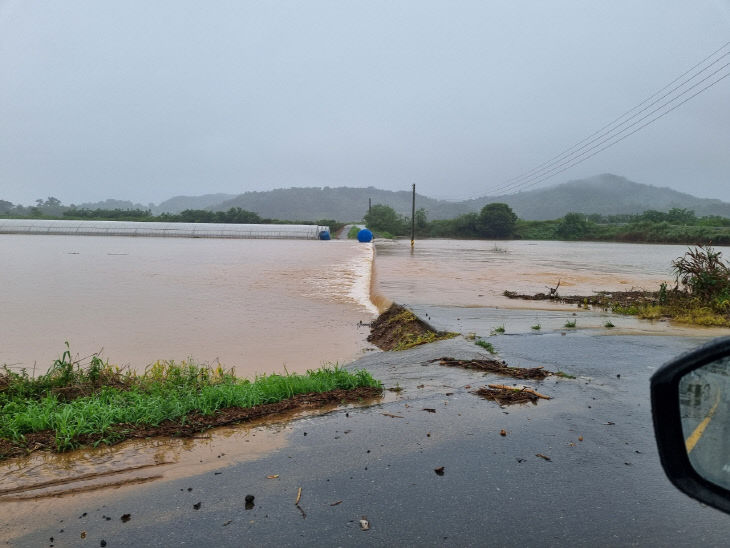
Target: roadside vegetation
[
  {"x": 74, "y": 405},
  {"x": 700, "y": 296}
]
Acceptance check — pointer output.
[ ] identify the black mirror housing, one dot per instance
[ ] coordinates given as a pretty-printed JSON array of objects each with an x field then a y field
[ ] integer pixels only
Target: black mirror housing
[{"x": 667, "y": 417}]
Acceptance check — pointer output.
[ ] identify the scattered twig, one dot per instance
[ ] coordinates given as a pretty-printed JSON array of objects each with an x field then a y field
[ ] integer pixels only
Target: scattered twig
[
  {"x": 518, "y": 389},
  {"x": 299, "y": 496},
  {"x": 391, "y": 415}
]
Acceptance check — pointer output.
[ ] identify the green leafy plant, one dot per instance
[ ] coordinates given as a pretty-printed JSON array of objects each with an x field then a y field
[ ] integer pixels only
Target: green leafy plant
[
  {"x": 608, "y": 324},
  {"x": 570, "y": 323},
  {"x": 489, "y": 347},
  {"x": 703, "y": 274},
  {"x": 498, "y": 330},
  {"x": 536, "y": 327}
]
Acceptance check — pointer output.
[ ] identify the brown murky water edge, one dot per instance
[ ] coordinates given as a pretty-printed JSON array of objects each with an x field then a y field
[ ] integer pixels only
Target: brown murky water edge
[
  {"x": 257, "y": 306},
  {"x": 38, "y": 483}
]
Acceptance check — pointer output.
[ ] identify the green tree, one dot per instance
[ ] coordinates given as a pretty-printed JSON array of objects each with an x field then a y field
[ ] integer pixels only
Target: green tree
[
  {"x": 681, "y": 216},
  {"x": 572, "y": 226},
  {"x": 383, "y": 218},
  {"x": 497, "y": 220}
]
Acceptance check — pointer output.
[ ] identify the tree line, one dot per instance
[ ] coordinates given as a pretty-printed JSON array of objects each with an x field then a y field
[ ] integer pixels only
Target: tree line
[
  {"x": 498, "y": 221},
  {"x": 493, "y": 221}
]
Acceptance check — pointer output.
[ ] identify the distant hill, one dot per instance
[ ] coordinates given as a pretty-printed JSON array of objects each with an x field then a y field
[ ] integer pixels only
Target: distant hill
[
  {"x": 605, "y": 194},
  {"x": 177, "y": 204},
  {"x": 311, "y": 204}
]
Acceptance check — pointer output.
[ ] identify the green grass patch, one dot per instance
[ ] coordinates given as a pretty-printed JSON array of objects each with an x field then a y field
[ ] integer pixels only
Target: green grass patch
[
  {"x": 609, "y": 324},
  {"x": 563, "y": 375},
  {"x": 353, "y": 232},
  {"x": 536, "y": 327},
  {"x": 409, "y": 340},
  {"x": 489, "y": 347},
  {"x": 570, "y": 323},
  {"x": 78, "y": 403},
  {"x": 499, "y": 330}
]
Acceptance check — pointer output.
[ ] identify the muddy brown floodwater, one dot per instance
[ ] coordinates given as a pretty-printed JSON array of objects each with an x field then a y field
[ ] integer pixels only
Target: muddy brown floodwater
[
  {"x": 475, "y": 273},
  {"x": 255, "y": 305}
]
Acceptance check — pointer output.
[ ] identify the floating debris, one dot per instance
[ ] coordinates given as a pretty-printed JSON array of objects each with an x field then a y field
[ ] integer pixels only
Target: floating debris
[
  {"x": 500, "y": 367},
  {"x": 509, "y": 395}
]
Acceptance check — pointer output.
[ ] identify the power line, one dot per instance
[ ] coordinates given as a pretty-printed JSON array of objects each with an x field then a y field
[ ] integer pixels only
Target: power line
[
  {"x": 534, "y": 183},
  {"x": 610, "y": 137},
  {"x": 571, "y": 153},
  {"x": 608, "y": 133}
]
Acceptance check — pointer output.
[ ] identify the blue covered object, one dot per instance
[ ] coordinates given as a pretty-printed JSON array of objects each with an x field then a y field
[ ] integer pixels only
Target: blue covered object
[
  {"x": 364, "y": 236},
  {"x": 324, "y": 235}
]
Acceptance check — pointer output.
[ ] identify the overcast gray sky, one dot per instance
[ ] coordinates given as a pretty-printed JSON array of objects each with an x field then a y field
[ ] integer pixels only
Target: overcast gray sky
[{"x": 145, "y": 100}]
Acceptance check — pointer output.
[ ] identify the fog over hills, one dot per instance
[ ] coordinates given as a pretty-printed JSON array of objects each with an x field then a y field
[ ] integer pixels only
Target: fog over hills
[{"x": 605, "y": 194}]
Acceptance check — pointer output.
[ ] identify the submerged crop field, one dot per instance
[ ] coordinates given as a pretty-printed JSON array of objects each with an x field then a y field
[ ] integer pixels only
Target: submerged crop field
[{"x": 74, "y": 405}]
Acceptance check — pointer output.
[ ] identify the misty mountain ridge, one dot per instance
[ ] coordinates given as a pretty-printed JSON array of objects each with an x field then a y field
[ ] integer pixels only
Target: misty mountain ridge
[{"x": 606, "y": 194}]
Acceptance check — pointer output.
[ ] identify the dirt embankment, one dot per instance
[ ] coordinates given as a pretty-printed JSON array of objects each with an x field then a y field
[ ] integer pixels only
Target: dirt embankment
[
  {"x": 601, "y": 299},
  {"x": 398, "y": 329}
]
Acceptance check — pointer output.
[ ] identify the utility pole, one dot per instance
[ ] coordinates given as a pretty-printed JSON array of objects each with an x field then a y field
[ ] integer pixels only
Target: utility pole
[
  {"x": 370, "y": 205},
  {"x": 413, "y": 217}
]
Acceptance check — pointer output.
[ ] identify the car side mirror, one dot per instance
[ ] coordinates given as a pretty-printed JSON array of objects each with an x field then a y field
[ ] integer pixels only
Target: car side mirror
[{"x": 691, "y": 409}]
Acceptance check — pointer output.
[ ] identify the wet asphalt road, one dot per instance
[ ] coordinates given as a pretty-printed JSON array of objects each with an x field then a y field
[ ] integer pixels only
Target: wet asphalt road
[{"x": 606, "y": 490}]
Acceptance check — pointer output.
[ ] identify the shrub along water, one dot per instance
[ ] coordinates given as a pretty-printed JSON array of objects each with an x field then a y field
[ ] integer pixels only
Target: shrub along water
[
  {"x": 75, "y": 401},
  {"x": 701, "y": 295}
]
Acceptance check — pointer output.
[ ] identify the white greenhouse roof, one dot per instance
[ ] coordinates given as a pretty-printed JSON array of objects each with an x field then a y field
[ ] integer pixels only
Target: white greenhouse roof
[{"x": 182, "y": 230}]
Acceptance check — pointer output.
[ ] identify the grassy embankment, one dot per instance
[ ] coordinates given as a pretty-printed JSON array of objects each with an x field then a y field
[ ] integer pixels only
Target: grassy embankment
[
  {"x": 73, "y": 406},
  {"x": 701, "y": 295},
  {"x": 400, "y": 329}
]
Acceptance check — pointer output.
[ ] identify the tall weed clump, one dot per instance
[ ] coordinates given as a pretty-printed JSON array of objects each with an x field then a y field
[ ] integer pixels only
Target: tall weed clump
[{"x": 705, "y": 276}]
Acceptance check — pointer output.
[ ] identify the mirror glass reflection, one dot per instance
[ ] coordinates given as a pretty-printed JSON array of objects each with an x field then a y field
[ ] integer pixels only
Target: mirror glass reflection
[{"x": 705, "y": 413}]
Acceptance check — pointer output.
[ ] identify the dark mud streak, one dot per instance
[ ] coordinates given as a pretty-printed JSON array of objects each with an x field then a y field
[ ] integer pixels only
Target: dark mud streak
[
  {"x": 83, "y": 477},
  {"x": 84, "y": 489},
  {"x": 602, "y": 299}
]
